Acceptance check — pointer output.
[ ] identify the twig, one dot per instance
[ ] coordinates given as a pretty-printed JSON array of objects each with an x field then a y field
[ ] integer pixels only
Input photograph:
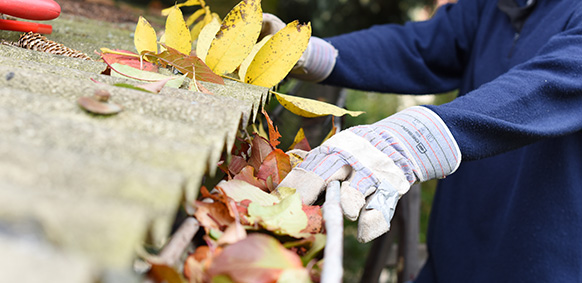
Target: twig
[
  {"x": 334, "y": 226},
  {"x": 173, "y": 250}
]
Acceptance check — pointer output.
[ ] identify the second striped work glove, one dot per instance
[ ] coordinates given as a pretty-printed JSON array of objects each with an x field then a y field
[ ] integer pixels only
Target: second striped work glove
[
  {"x": 317, "y": 61},
  {"x": 377, "y": 164}
]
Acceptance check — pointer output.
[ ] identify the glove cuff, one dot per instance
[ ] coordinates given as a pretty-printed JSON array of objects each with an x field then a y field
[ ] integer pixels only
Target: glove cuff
[
  {"x": 426, "y": 141},
  {"x": 317, "y": 61}
]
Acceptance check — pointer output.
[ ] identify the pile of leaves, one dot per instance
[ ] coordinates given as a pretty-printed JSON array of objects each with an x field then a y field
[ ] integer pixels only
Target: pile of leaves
[
  {"x": 212, "y": 48},
  {"x": 205, "y": 48},
  {"x": 254, "y": 233}
]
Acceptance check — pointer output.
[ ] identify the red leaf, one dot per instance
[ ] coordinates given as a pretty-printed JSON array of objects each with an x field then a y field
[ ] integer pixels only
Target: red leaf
[
  {"x": 241, "y": 148},
  {"x": 187, "y": 64},
  {"x": 274, "y": 134},
  {"x": 260, "y": 149},
  {"x": 155, "y": 87},
  {"x": 258, "y": 258},
  {"x": 303, "y": 145},
  {"x": 242, "y": 208},
  {"x": 276, "y": 165},
  {"x": 314, "y": 219},
  {"x": 300, "y": 141},
  {"x": 202, "y": 89},
  {"x": 247, "y": 174},
  {"x": 129, "y": 60},
  {"x": 237, "y": 163}
]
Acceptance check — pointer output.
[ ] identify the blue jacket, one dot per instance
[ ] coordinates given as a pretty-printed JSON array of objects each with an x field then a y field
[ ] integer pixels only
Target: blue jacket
[{"x": 513, "y": 210}]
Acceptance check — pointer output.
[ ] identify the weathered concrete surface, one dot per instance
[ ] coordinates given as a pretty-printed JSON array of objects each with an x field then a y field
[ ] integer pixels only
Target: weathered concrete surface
[
  {"x": 79, "y": 192},
  {"x": 43, "y": 263},
  {"x": 85, "y": 35}
]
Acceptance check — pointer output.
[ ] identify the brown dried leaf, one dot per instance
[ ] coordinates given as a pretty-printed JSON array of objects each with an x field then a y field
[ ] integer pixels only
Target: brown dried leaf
[
  {"x": 94, "y": 106},
  {"x": 276, "y": 165},
  {"x": 237, "y": 163},
  {"x": 260, "y": 149},
  {"x": 247, "y": 174},
  {"x": 186, "y": 64},
  {"x": 163, "y": 273},
  {"x": 214, "y": 215},
  {"x": 274, "y": 134}
]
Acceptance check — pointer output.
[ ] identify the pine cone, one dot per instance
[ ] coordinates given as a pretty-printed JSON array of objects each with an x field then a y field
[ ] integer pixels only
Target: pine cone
[{"x": 35, "y": 41}]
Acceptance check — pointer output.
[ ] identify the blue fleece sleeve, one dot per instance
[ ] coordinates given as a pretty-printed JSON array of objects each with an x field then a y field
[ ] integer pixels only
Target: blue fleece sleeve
[
  {"x": 415, "y": 58},
  {"x": 540, "y": 98}
]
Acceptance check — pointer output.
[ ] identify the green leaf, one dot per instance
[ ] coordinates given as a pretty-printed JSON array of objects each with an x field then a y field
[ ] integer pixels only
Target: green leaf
[
  {"x": 222, "y": 279},
  {"x": 316, "y": 248},
  {"x": 294, "y": 276},
  {"x": 240, "y": 190},
  {"x": 124, "y": 85},
  {"x": 286, "y": 217}
]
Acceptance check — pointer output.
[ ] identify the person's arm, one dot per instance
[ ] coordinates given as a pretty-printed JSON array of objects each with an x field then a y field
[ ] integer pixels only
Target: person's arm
[
  {"x": 415, "y": 58},
  {"x": 540, "y": 98}
]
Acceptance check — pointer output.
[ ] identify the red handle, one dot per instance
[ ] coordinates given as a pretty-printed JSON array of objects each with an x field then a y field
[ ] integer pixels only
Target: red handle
[
  {"x": 25, "y": 26},
  {"x": 39, "y": 10}
]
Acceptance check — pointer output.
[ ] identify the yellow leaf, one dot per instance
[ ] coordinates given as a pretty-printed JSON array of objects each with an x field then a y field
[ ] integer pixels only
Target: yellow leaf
[
  {"x": 195, "y": 16},
  {"x": 177, "y": 34},
  {"x": 274, "y": 61},
  {"x": 298, "y": 137},
  {"x": 145, "y": 38},
  {"x": 260, "y": 130},
  {"x": 163, "y": 41},
  {"x": 195, "y": 31},
  {"x": 311, "y": 108},
  {"x": 206, "y": 36},
  {"x": 237, "y": 36},
  {"x": 332, "y": 132},
  {"x": 244, "y": 66},
  {"x": 167, "y": 11},
  {"x": 118, "y": 52}
]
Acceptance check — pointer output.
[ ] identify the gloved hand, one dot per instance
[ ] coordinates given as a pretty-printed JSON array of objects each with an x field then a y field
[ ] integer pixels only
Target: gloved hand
[
  {"x": 378, "y": 163},
  {"x": 317, "y": 61}
]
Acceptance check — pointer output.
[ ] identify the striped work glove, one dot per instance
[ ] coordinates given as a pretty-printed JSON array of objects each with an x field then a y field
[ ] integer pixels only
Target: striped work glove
[
  {"x": 317, "y": 61},
  {"x": 377, "y": 164}
]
